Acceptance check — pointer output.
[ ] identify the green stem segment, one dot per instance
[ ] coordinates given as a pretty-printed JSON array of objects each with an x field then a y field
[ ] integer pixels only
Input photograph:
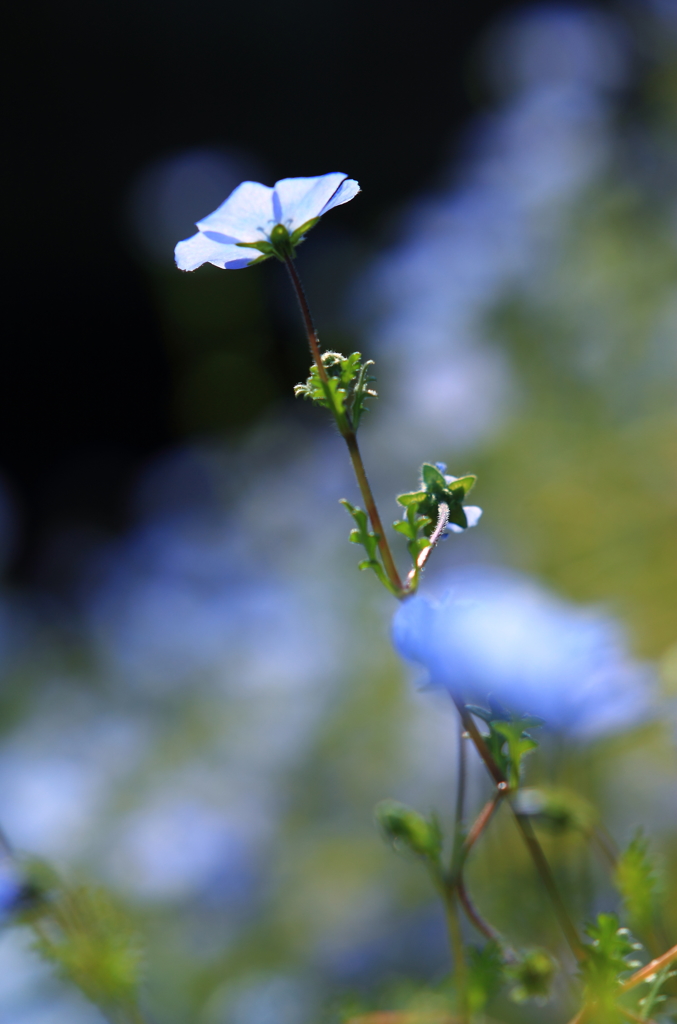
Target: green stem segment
[
  {"x": 460, "y": 965},
  {"x": 349, "y": 436},
  {"x": 533, "y": 846},
  {"x": 400, "y": 590}
]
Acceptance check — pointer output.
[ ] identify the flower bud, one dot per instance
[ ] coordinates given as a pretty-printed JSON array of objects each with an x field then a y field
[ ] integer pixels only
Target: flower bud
[
  {"x": 532, "y": 976},
  {"x": 406, "y": 828}
]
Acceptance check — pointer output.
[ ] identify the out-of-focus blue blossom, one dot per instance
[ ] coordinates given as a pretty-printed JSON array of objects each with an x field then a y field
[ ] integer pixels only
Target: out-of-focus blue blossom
[
  {"x": 178, "y": 845},
  {"x": 250, "y": 213},
  {"x": 497, "y": 634},
  {"x": 58, "y": 771},
  {"x": 462, "y": 247}
]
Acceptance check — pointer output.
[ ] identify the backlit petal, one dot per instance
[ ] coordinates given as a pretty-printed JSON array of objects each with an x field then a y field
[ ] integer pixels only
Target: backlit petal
[
  {"x": 193, "y": 252},
  {"x": 346, "y": 191},
  {"x": 245, "y": 216},
  {"x": 473, "y": 514},
  {"x": 303, "y": 199}
]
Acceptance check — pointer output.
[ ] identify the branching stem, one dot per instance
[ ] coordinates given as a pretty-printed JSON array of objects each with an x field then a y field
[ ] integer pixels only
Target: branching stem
[{"x": 533, "y": 846}]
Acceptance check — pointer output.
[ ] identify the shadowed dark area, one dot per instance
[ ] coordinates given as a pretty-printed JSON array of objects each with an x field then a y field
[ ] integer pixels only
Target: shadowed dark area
[{"x": 375, "y": 89}]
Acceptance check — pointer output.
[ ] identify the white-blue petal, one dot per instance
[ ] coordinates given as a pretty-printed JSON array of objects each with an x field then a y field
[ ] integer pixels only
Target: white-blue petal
[
  {"x": 473, "y": 514},
  {"x": 346, "y": 191},
  {"x": 245, "y": 216},
  {"x": 192, "y": 252},
  {"x": 303, "y": 199}
]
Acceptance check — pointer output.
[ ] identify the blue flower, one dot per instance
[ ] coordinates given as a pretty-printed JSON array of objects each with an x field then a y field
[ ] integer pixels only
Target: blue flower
[
  {"x": 256, "y": 222},
  {"x": 501, "y": 635}
]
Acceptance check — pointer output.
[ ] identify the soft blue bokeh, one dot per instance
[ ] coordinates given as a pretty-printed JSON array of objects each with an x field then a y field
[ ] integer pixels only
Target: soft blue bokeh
[{"x": 496, "y": 634}]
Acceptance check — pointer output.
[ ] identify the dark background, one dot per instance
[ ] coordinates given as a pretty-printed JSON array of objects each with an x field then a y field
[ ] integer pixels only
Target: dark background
[{"x": 377, "y": 89}]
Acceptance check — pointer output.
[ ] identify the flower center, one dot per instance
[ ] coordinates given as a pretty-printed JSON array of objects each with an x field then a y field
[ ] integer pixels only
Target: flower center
[{"x": 280, "y": 239}]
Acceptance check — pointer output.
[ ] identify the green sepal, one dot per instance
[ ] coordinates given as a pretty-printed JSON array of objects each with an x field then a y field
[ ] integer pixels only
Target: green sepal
[
  {"x": 265, "y": 247},
  {"x": 297, "y": 235},
  {"x": 411, "y": 498},
  {"x": 432, "y": 478},
  {"x": 464, "y": 483},
  {"x": 259, "y": 259}
]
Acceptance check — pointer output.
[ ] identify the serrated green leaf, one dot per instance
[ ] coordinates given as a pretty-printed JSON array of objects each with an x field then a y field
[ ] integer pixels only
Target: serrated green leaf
[
  {"x": 636, "y": 880},
  {"x": 403, "y": 527},
  {"x": 607, "y": 958}
]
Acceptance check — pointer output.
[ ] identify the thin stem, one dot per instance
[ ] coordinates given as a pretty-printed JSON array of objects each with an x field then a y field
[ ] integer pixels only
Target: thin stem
[
  {"x": 533, "y": 846},
  {"x": 481, "y": 822},
  {"x": 548, "y": 879},
  {"x": 311, "y": 332},
  {"x": 473, "y": 914},
  {"x": 651, "y": 968},
  {"x": 442, "y": 520},
  {"x": 460, "y": 966},
  {"x": 349, "y": 436},
  {"x": 372, "y": 512},
  {"x": 460, "y": 805}
]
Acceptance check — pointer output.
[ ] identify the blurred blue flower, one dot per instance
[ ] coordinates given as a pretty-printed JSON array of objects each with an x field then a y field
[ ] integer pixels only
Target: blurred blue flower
[
  {"x": 499, "y": 634},
  {"x": 260, "y": 218}
]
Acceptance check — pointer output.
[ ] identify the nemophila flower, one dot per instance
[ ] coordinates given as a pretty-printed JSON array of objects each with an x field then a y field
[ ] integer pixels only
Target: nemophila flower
[
  {"x": 500, "y": 635},
  {"x": 256, "y": 221}
]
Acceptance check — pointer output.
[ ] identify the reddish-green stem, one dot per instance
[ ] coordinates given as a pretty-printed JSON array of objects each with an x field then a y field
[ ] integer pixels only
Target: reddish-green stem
[
  {"x": 533, "y": 846},
  {"x": 349, "y": 436}
]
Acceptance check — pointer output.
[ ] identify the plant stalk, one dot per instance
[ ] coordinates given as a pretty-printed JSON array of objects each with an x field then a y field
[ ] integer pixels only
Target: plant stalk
[
  {"x": 533, "y": 846},
  {"x": 347, "y": 432}
]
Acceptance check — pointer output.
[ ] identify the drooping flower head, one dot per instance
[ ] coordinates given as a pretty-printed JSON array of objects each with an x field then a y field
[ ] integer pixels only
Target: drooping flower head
[
  {"x": 256, "y": 221},
  {"x": 502, "y": 637}
]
